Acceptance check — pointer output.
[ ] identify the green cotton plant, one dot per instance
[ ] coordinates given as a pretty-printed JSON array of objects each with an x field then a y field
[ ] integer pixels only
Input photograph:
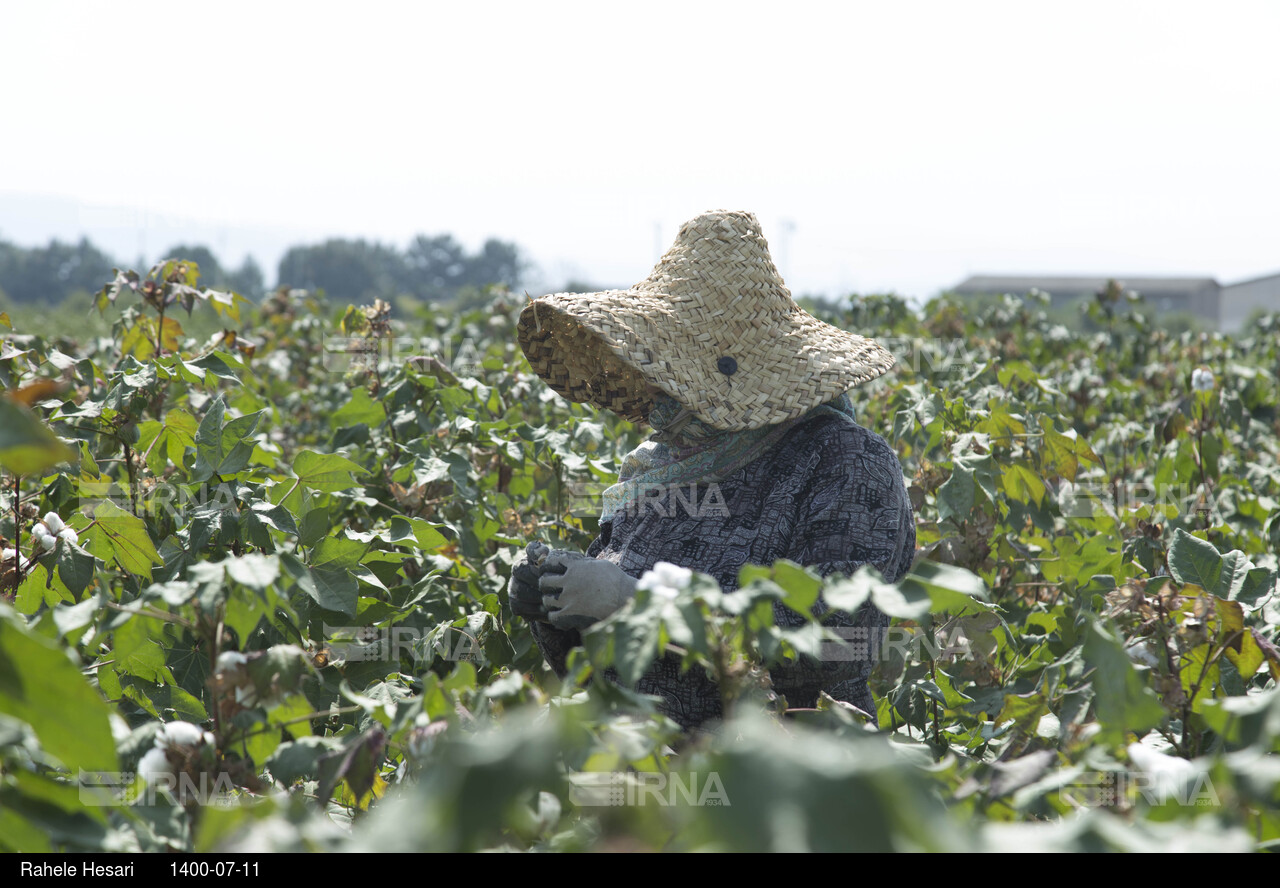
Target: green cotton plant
[{"x": 248, "y": 536}]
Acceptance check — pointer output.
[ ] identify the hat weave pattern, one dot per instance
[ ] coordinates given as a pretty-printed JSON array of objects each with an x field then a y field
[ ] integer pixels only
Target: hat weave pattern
[{"x": 715, "y": 295}]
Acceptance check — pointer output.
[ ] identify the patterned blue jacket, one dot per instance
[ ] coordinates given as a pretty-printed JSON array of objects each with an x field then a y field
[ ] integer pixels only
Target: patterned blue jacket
[{"x": 829, "y": 495}]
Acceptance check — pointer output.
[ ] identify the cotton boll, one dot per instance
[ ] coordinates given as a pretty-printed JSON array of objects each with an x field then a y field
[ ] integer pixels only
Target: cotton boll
[
  {"x": 69, "y": 535},
  {"x": 182, "y": 733},
  {"x": 665, "y": 580},
  {"x": 1202, "y": 379},
  {"x": 53, "y": 522},
  {"x": 230, "y": 660},
  {"x": 154, "y": 766}
]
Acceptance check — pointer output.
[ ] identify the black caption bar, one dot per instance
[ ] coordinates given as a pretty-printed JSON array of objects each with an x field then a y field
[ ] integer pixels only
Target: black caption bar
[{"x": 81, "y": 869}]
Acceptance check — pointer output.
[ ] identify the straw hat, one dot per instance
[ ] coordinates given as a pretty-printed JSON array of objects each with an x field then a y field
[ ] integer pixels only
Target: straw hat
[{"x": 713, "y": 325}]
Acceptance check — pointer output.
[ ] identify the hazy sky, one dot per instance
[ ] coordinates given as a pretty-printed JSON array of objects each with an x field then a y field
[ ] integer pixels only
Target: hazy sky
[{"x": 884, "y": 145}]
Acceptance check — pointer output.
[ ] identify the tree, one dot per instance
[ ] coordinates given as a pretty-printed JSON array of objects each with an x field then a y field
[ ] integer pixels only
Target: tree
[
  {"x": 431, "y": 268},
  {"x": 496, "y": 263},
  {"x": 434, "y": 267},
  {"x": 438, "y": 267},
  {"x": 47, "y": 274},
  {"x": 247, "y": 280},
  {"x": 347, "y": 270}
]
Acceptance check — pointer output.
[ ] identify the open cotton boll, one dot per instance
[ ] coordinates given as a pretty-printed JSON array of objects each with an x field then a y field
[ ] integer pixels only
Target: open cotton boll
[
  {"x": 154, "y": 765},
  {"x": 230, "y": 660},
  {"x": 44, "y": 539},
  {"x": 52, "y": 521},
  {"x": 665, "y": 579},
  {"x": 182, "y": 733},
  {"x": 69, "y": 535}
]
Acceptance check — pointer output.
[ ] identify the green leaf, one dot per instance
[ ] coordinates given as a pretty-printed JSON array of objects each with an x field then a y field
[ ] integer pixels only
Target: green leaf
[
  {"x": 956, "y": 496},
  {"x": 1249, "y": 721},
  {"x": 326, "y": 472},
  {"x": 1200, "y": 674},
  {"x": 1022, "y": 484},
  {"x": 1122, "y": 699},
  {"x": 334, "y": 589},
  {"x": 75, "y": 566},
  {"x": 949, "y": 588},
  {"x": 802, "y": 586},
  {"x": 27, "y": 445},
  {"x": 138, "y": 653},
  {"x": 262, "y": 518},
  {"x": 1025, "y": 710},
  {"x": 165, "y": 698},
  {"x": 117, "y": 535},
  {"x": 42, "y": 687},
  {"x": 337, "y": 553},
  {"x": 360, "y": 409},
  {"x": 1195, "y": 561},
  {"x": 122, "y": 537},
  {"x": 223, "y": 447},
  {"x": 253, "y": 570},
  {"x": 300, "y": 759},
  {"x": 423, "y": 533},
  {"x": 1059, "y": 455}
]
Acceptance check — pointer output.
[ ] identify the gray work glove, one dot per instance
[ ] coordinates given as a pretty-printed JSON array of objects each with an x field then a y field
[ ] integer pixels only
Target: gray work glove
[
  {"x": 579, "y": 591},
  {"x": 522, "y": 592}
]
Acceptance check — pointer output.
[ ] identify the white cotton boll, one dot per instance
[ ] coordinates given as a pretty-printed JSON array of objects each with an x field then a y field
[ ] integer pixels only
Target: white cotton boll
[
  {"x": 673, "y": 575},
  {"x": 44, "y": 539},
  {"x": 180, "y": 733},
  {"x": 9, "y": 555},
  {"x": 665, "y": 580},
  {"x": 155, "y": 765},
  {"x": 1140, "y": 653},
  {"x": 1202, "y": 379},
  {"x": 69, "y": 535},
  {"x": 230, "y": 660},
  {"x": 120, "y": 730},
  {"x": 52, "y": 521}
]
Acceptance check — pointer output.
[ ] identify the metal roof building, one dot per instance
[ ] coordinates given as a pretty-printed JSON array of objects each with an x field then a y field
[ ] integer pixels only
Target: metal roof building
[{"x": 1225, "y": 307}]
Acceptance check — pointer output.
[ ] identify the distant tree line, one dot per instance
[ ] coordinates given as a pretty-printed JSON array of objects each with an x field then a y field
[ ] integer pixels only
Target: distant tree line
[
  {"x": 431, "y": 268},
  {"x": 49, "y": 274}
]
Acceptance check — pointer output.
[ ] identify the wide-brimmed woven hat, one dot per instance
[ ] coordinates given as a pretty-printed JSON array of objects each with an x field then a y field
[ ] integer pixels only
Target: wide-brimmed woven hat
[{"x": 713, "y": 325}]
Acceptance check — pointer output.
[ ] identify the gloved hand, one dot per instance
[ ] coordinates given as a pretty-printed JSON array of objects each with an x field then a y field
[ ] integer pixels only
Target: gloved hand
[
  {"x": 523, "y": 592},
  {"x": 579, "y": 591}
]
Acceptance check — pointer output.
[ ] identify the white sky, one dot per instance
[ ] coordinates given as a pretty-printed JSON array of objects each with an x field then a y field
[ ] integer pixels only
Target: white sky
[{"x": 884, "y": 145}]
